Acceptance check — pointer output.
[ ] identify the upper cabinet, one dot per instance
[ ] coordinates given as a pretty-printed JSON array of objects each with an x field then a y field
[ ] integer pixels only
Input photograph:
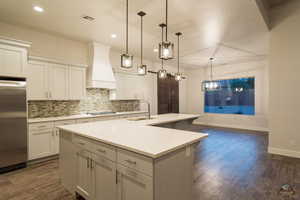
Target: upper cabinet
[
  {"x": 77, "y": 83},
  {"x": 50, "y": 81},
  {"x": 13, "y": 57}
]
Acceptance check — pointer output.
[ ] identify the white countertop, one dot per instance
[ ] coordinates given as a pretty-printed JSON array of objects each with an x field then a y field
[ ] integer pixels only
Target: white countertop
[
  {"x": 81, "y": 116},
  {"x": 139, "y": 136}
]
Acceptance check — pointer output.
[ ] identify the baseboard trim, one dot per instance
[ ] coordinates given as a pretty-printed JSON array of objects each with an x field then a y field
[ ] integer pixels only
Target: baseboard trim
[
  {"x": 260, "y": 129},
  {"x": 284, "y": 152}
]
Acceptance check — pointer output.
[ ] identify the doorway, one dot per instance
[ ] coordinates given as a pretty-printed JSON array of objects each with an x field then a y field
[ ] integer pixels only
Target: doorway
[{"x": 168, "y": 95}]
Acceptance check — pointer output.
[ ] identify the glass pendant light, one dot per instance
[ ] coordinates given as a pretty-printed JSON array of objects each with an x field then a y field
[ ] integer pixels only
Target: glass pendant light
[
  {"x": 178, "y": 75},
  {"x": 142, "y": 69},
  {"x": 166, "y": 48},
  {"x": 126, "y": 58},
  {"x": 210, "y": 85},
  {"x": 162, "y": 73}
]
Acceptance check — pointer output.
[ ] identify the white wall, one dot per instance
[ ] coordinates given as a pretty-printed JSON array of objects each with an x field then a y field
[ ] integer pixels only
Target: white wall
[
  {"x": 195, "y": 96},
  {"x": 284, "y": 74},
  {"x": 48, "y": 45}
]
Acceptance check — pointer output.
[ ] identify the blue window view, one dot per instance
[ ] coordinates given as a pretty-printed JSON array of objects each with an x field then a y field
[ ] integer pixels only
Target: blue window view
[{"x": 233, "y": 96}]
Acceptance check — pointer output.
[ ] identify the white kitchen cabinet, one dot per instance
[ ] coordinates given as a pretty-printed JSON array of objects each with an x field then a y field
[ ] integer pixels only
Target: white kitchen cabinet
[
  {"x": 58, "y": 82},
  {"x": 133, "y": 185},
  {"x": 104, "y": 179},
  {"x": 37, "y": 82},
  {"x": 56, "y": 137},
  {"x": 77, "y": 83},
  {"x": 84, "y": 174},
  {"x": 128, "y": 87},
  {"x": 49, "y": 81},
  {"x": 13, "y": 57},
  {"x": 41, "y": 139}
]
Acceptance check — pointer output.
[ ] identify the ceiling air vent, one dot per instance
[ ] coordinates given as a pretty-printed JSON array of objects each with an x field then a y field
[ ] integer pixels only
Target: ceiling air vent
[{"x": 89, "y": 18}]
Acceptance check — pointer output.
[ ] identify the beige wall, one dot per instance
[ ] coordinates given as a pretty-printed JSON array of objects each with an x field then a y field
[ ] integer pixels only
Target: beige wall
[
  {"x": 48, "y": 45},
  {"x": 284, "y": 74},
  {"x": 195, "y": 97}
]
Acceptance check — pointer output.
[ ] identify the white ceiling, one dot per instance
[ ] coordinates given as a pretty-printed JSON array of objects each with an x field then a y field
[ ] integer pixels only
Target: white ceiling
[{"x": 230, "y": 30}]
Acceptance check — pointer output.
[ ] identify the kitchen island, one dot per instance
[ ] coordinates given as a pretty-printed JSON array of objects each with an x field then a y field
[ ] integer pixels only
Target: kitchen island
[{"x": 128, "y": 159}]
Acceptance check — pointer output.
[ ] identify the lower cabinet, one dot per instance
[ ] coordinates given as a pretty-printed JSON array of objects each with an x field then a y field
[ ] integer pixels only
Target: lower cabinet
[
  {"x": 95, "y": 177},
  {"x": 40, "y": 144},
  {"x": 133, "y": 185}
]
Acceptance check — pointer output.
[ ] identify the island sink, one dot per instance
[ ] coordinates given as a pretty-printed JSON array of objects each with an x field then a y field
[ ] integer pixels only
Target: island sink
[{"x": 128, "y": 160}]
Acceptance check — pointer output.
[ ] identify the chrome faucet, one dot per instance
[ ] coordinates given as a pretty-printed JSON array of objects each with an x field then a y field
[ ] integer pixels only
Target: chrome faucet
[{"x": 148, "y": 104}]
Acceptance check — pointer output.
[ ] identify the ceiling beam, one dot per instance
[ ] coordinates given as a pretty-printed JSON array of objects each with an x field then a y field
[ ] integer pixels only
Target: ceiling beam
[{"x": 263, "y": 7}]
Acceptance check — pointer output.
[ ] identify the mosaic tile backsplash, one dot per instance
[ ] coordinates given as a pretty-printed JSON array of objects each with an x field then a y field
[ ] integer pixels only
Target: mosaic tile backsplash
[{"x": 96, "y": 100}]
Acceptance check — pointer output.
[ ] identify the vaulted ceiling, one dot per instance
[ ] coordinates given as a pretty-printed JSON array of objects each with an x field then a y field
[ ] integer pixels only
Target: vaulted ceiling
[{"x": 227, "y": 29}]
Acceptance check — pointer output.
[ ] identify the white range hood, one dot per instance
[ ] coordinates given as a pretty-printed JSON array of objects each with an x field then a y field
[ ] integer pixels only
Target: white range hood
[{"x": 100, "y": 73}]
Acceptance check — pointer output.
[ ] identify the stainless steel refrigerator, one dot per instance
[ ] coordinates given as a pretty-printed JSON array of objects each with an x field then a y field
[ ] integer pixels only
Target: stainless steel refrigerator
[{"x": 13, "y": 124}]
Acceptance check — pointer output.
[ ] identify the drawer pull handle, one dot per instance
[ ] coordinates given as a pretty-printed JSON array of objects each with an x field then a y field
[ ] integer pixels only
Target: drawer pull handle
[
  {"x": 42, "y": 126},
  {"x": 81, "y": 143},
  {"x": 131, "y": 162},
  {"x": 101, "y": 150}
]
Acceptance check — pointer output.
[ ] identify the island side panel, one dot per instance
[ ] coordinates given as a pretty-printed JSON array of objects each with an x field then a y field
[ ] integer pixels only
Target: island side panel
[
  {"x": 173, "y": 175},
  {"x": 67, "y": 161}
]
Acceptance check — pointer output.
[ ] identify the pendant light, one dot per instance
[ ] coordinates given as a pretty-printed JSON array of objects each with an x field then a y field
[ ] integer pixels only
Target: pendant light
[
  {"x": 178, "y": 75},
  {"x": 210, "y": 85},
  {"x": 166, "y": 48},
  {"x": 142, "y": 69},
  {"x": 162, "y": 73},
  {"x": 126, "y": 58}
]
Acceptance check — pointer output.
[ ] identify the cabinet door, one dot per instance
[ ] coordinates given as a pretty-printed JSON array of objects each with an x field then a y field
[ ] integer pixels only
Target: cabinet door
[
  {"x": 77, "y": 83},
  {"x": 104, "y": 179},
  {"x": 133, "y": 185},
  {"x": 40, "y": 144},
  {"x": 56, "y": 141},
  {"x": 83, "y": 174},
  {"x": 12, "y": 61},
  {"x": 58, "y": 82},
  {"x": 37, "y": 82}
]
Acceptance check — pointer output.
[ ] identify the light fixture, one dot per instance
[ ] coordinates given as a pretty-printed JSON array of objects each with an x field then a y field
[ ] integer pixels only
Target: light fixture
[
  {"x": 38, "y": 9},
  {"x": 162, "y": 73},
  {"x": 178, "y": 75},
  {"x": 142, "y": 69},
  {"x": 166, "y": 48},
  {"x": 210, "y": 85},
  {"x": 126, "y": 58},
  {"x": 113, "y": 35}
]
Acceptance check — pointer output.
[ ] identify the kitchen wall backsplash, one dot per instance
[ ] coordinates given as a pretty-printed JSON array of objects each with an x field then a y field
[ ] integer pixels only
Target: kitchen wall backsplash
[{"x": 96, "y": 100}]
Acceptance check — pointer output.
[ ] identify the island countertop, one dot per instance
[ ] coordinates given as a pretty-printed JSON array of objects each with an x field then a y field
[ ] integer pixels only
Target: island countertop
[{"x": 139, "y": 136}]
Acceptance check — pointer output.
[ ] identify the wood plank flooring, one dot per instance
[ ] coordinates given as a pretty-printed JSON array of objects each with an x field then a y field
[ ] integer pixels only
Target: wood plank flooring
[{"x": 229, "y": 165}]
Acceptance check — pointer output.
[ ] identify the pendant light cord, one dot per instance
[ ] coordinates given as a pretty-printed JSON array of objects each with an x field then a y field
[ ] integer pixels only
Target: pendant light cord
[
  {"x": 178, "y": 53},
  {"x": 211, "y": 69},
  {"x": 126, "y": 26},
  {"x": 141, "y": 40},
  {"x": 166, "y": 20}
]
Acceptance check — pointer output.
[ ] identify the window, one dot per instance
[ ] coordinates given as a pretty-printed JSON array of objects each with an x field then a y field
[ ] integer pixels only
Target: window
[{"x": 233, "y": 96}]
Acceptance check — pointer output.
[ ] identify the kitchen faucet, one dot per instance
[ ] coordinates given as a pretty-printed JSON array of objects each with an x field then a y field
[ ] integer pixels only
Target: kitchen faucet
[{"x": 148, "y": 104}]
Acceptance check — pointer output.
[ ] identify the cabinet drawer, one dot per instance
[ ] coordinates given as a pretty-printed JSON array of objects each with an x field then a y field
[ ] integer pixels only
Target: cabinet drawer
[
  {"x": 135, "y": 161},
  {"x": 38, "y": 127},
  {"x": 104, "y": 150},
  {"x": 82, "y": 143},
  {"x": 136, "y": 176}
]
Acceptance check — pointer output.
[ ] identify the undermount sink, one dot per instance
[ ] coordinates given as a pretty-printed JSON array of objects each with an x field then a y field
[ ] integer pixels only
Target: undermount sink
[{"x": 140, "y": 118}]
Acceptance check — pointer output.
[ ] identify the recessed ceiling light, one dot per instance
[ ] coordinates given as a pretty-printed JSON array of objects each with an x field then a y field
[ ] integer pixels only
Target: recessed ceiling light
[
  {"x": 113, "y": 35},
  {"x": 38, "y": 9},
  {"x": 155, "y": 50}
]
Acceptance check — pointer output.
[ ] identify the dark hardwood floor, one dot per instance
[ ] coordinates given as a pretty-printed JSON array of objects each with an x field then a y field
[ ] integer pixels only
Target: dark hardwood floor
[{"x": 229, "y": 165}]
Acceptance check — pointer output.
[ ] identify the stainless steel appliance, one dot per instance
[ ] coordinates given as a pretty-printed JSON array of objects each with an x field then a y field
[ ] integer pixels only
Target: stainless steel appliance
[{"x": 13, "y": 124}]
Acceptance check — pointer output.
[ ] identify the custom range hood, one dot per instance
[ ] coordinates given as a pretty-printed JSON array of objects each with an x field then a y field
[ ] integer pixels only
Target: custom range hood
[{"x": 100, "y": 72}]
